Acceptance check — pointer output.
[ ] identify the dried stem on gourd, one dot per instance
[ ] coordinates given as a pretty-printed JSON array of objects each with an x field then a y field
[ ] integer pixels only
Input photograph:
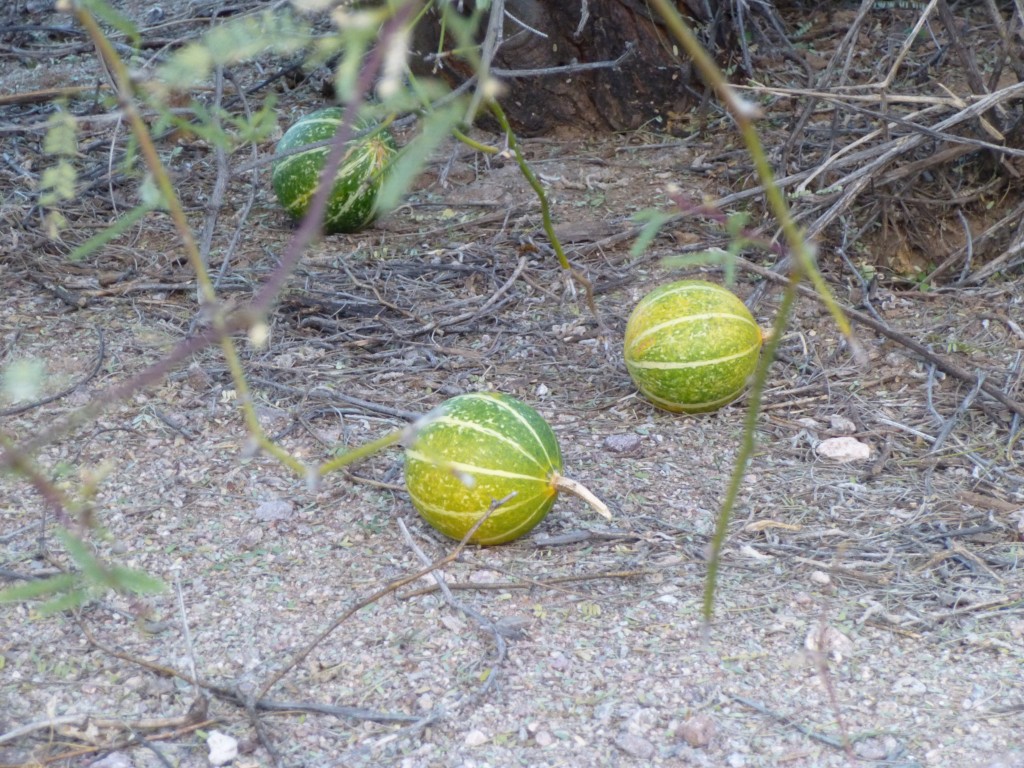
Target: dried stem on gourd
[{"x": 578, "y": 489}]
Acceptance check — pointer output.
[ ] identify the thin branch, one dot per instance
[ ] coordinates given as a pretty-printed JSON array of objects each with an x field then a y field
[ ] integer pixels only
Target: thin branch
[
  {"x": 568, "y": 69},
  {"x": 233, "y": 697},
  {"x": 500, "y": 644},
  {"x": 393, "y": 586},
  {"x": 787, "y": 720},
  {"x": 551, "y": 582}
]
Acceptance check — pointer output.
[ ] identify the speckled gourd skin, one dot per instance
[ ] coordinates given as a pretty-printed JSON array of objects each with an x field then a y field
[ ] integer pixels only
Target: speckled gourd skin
[
  {"x": 497, "y": 443},
  {"x": 353, "y": 201},
  {"x": 691, "y": 345}
]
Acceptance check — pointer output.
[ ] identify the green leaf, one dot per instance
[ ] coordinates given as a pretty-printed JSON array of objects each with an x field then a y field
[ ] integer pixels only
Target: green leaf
[
  {"x": 437, "y": 126},
  {"x": 30, "y": 590},
  {"x": 653, "y": 220},
  {"x": 346, "y": 76},
  {"x": 57, "y": 183},
  {"x": 241, "y": 39},
  {"x": 151, "y": 196},
  {"x": 132, "y": 580},
  {"x": 23, "y": 379},
  {"x": 120, "y": 226},
  {"x": 189, "y": 66},
  {"x": 259, "y": 126},
  {"x": 79, "y": 552},
  {"x": 61, "y": 137},
  {"x": 64, "y": 603},
  {"x": 735, "y": 224},
  {"x": 105, "y": 12},
  {"x": 700, "y": 258},
  {"x": 131, "y": 155}
]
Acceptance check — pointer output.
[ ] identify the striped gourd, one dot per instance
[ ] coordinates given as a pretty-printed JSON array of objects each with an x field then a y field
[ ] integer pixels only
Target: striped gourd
[
  {"x": 691, "y": 346},
  {"x": 476, "y": 449},
  {"x": 353, "y": 200}
]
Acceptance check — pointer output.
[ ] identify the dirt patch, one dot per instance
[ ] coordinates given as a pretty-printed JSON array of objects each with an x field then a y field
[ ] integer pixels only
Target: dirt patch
[{"x": 868, "y": 613}]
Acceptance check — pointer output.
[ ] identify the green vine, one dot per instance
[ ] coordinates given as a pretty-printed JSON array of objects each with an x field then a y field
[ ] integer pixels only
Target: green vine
[{"x": 744, "y": 113}]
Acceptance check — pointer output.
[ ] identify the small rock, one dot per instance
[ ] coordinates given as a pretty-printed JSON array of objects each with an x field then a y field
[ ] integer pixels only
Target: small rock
[
  {"x": 748, "y": 551},
  {"x": 623, "y": 443},
  {"x": 457, "y": 626},
  {"x": 642, "y": 720},
  {"x": 828, "y": 641},
  {"x": 544, "y": 739},
  {"x": 636, "y": 746},
  {"x": 223, "y": 748},
  {"x": 251, "y": 539},
  {"x": 134, "y": 683},
  {"x": 198, "y": 378},
  {"x": 698, "y": 730},
  {"x": 513, "y": 627},
  {"x": 909, "y": 685},
  {"x": 843, "y": 449},
  {"x": 736, "y": 760},
  {"x": 475, "y": 738},
  {"x": 1016, "y": 629},
  {"x": 870, "y": 749},
  {"x": 821, "y": 578},
  {"x": 841, "y": 425},
  {"x": 274, "y": 510},
  {"x": 558, "y": 661}
]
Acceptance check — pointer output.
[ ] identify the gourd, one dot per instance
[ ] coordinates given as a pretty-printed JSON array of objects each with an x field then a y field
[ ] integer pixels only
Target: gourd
[
  {"x": 476, "y": 449},
  {"x": 690, "y": 346},
  {"x": 352, "y": 204}
]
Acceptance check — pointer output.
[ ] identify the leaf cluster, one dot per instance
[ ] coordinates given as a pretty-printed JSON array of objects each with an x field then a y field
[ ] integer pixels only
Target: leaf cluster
[{"x": 90, "y": 579}]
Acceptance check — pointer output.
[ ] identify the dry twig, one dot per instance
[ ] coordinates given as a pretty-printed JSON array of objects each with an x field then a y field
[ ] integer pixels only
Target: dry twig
[
  {"x": 944, "y": 364},
  {"x": 382, "y": 592}
]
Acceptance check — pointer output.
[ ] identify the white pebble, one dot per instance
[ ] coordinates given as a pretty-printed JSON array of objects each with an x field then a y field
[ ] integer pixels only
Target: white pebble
[
  {"x": 223, "y": 748},
  {"x": 475, "y": 738}
]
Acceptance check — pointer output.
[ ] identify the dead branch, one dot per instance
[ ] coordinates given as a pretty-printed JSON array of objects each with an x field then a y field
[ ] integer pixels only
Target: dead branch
[
  {"x": 554, "y": 581},
  {"x": 380, "y": 593},
  {"x": 943, "y": 364}
]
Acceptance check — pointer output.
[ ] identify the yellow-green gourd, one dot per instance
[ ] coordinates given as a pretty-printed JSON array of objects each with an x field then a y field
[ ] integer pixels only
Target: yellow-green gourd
[
  {"x": 352, "y": 202},
  {"x": 691, "y": 345},
  {"x": 476, "y": 449}
]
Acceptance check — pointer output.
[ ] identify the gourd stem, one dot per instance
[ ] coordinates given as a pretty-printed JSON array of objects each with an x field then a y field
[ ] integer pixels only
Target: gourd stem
[{"x": 580, "y": 490}]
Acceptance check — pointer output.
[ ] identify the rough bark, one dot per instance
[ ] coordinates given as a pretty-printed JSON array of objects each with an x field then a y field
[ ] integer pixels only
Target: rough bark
[{"x": 653, "y": 85}]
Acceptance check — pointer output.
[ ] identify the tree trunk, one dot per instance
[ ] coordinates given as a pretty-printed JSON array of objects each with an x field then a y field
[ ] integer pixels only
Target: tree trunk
[{"x": 549, "y": 39}]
